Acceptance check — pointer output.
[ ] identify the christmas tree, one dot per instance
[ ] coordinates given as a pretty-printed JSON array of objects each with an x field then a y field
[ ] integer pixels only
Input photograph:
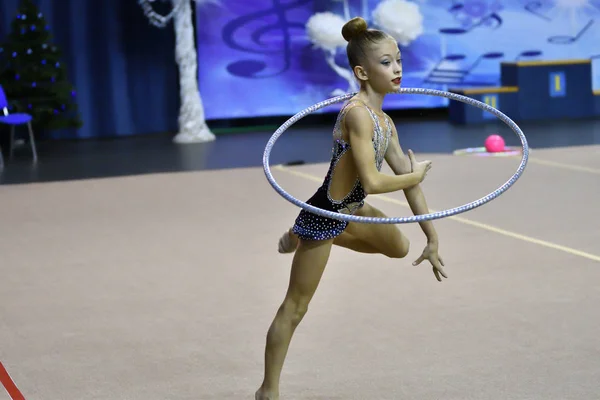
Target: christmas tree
[{"x": 32, "y": 74}]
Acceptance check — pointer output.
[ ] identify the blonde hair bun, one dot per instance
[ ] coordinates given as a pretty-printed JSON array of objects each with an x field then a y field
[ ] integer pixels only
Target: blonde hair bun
[{"x": 353, "y": 28}]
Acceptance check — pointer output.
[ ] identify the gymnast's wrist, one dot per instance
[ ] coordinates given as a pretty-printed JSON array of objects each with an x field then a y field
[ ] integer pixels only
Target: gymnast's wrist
[{"x": 432, "y": 240}]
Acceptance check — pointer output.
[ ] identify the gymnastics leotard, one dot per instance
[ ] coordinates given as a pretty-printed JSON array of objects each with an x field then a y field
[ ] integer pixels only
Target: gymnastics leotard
[{"x": 310, "y": 226}]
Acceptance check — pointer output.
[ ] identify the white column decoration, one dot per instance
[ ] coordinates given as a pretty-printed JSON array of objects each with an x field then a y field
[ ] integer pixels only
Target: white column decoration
[{"x": 192, "y": 123}]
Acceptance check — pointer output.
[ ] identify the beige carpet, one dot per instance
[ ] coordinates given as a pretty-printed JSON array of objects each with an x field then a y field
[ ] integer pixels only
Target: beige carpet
[{"x": 163, "y": 286}]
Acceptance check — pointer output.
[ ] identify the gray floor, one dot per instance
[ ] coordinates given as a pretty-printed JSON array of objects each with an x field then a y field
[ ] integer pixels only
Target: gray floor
[{"x": 162, "y": 287}]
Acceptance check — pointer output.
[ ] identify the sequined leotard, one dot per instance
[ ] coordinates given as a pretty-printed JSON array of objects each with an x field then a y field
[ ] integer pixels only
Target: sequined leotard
[{"x": 311, "y": 226}]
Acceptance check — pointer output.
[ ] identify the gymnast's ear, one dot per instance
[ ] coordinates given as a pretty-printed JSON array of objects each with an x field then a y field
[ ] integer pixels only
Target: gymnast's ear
[{"x": 361, "y": 73}]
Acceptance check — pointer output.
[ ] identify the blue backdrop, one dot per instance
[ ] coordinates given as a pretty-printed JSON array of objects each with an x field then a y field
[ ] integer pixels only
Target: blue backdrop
[
  {"x": 123, "y": 69},
  {"x": 257, "y": 58}
]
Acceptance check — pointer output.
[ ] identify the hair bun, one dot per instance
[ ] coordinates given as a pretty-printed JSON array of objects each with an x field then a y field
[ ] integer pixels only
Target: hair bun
[{"x": 353, "y": 28}]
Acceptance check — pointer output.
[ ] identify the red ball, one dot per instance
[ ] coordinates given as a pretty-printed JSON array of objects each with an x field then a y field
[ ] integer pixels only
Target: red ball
[{"x": 494, "y": 144}]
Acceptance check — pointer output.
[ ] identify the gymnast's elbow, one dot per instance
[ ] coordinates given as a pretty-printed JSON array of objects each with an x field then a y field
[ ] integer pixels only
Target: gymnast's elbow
[
  {"x": 376, "y": 185},
  {"x": 369, "y": 186}
]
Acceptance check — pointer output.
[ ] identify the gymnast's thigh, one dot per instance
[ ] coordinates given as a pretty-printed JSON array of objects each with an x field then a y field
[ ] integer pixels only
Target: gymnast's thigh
[{"x": 387, "y": 238}]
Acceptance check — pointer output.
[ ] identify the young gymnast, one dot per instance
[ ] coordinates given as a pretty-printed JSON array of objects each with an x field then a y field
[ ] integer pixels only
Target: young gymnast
[{"x": 364, "y": 136}]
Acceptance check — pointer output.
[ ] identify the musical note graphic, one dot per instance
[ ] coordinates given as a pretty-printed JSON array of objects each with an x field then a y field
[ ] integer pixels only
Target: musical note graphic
[
  {"x": 533, "y": 8},
  {"x": 439, "y": 75},
  {"x": 468, "y": 12},
  {"x": 250, "y": 68},
  {"x": 565, "y": 39},
  {"x": 488, "y": 20},
  {"x": 474, "y": 8},
  {"x": 455, "y": 7},
  {"x": 529, "y": 53}
]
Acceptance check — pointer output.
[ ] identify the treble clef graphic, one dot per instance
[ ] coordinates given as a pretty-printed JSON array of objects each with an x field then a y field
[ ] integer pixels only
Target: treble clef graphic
[{"x": 250, "y": 68}]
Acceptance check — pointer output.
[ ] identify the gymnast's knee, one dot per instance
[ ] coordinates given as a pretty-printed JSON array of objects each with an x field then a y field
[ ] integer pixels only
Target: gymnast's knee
[
  {"x": 400, "y": 249},
  {"x": 294, "y": 309}
]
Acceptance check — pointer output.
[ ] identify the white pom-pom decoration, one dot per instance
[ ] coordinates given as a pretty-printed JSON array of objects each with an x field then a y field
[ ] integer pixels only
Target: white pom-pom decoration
[
  {"x": 400, "y": 18},
  {"x": 325, "y": 30}
]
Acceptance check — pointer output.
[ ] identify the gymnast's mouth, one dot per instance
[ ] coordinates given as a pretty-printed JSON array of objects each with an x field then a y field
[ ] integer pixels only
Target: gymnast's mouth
[{"x": 397, "y": 81}]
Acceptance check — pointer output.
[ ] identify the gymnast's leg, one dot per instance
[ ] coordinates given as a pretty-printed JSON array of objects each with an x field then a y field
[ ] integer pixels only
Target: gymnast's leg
[
  {"x": 387, "y": 239},
  {"x": 289, "y": 242},
  {"x": 384, "y": 239},
  {"x": 307, "y": 268},
  {"x": 351, "y": 242}
]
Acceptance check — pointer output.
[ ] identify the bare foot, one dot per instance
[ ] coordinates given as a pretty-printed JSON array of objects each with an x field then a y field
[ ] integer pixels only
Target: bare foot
[
  {"x": 288, "y": 242},
  {"x": 262, "y": 395}
]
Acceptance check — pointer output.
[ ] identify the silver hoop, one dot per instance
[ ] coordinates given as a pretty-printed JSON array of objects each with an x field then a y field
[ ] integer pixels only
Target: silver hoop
[{"x": 398, "y": 220}]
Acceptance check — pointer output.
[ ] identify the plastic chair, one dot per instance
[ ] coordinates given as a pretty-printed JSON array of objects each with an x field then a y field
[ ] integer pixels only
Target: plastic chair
[{"x": 13, "y": 120}]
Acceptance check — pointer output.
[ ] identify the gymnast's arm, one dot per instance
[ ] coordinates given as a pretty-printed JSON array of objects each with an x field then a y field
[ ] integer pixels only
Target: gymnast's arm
[
  {"x": 400, "y": 164},
  {"x": 359, "y": 126}
]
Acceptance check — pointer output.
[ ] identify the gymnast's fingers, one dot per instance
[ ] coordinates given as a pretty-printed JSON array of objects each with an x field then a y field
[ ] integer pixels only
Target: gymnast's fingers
[
  {"x": 419, "y": 260},
  {"x": 437, "y": 265}
]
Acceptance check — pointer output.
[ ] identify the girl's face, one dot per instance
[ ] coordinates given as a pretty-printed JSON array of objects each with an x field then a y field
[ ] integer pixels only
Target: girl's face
[{"x": 384, "y": 67}]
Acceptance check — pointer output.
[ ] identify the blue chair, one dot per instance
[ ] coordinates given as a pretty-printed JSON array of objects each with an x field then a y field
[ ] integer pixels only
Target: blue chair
[{"x": 13, "y": 120}]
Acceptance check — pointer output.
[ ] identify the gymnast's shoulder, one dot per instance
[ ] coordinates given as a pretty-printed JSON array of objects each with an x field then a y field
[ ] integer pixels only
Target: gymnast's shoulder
[{"x": 358, "y": 120}]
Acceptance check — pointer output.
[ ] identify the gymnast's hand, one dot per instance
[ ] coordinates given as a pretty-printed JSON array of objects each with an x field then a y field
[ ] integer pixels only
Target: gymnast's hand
[
  {"x": 431, "y": 253},
  {"x": 420, "y": 168}
]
